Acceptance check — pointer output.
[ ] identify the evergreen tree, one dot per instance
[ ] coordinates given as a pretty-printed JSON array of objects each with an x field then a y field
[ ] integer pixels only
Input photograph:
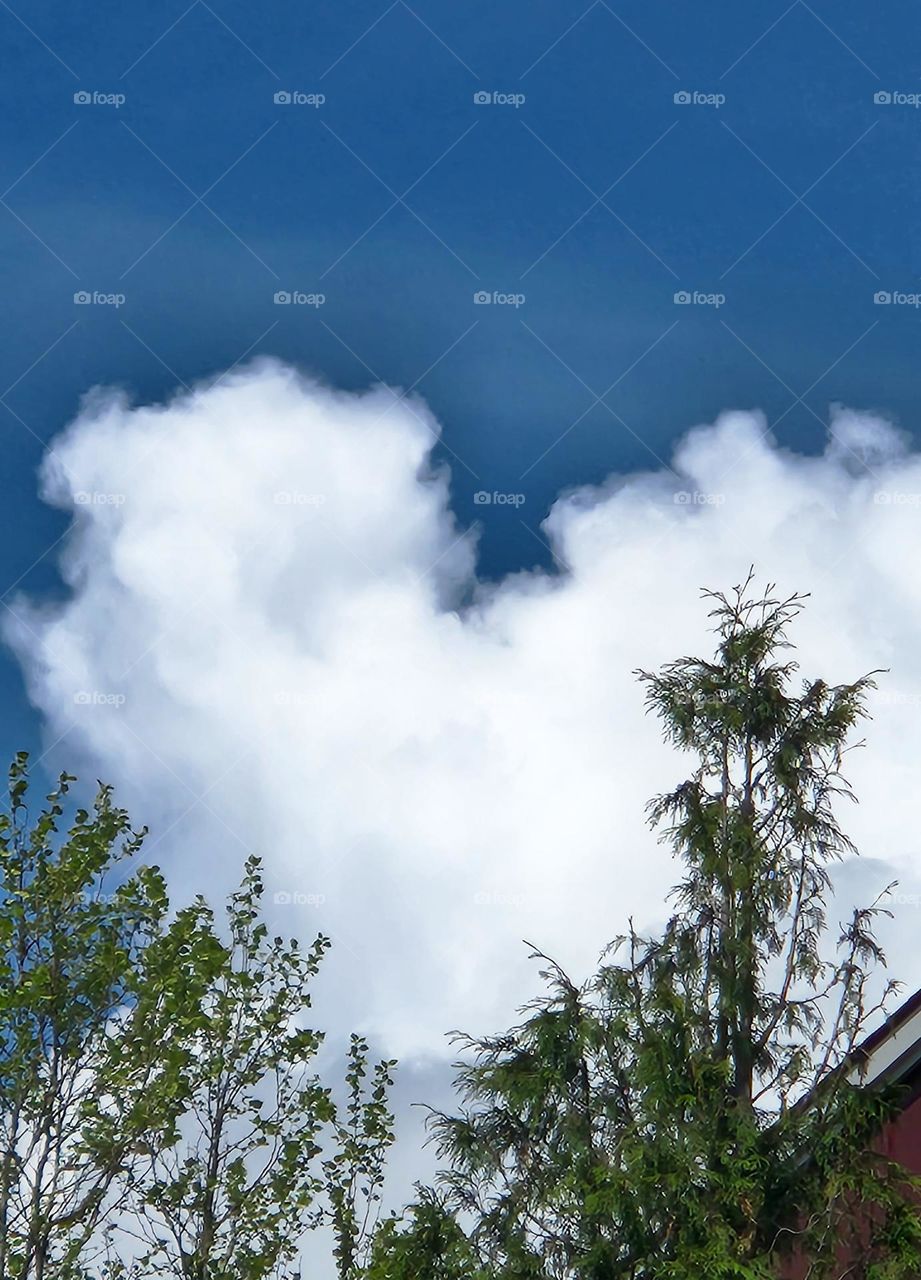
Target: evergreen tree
[{"x": 692, "y": 1110}]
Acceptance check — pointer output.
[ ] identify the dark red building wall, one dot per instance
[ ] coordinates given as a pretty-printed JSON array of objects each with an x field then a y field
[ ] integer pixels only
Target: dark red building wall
[{"x": 900, "y": 1141}]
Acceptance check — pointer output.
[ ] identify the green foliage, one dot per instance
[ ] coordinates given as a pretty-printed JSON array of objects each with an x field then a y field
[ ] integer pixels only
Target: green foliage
[
  {"x": 96, "y": 992},
  {"x": 354, "y": 1175},
  {"x": 691, "y": 1109},
  {"x": 159, "y": 1110},
  {"x": 231, "y": 1194},
  {"x": 423, "y": 1243}
]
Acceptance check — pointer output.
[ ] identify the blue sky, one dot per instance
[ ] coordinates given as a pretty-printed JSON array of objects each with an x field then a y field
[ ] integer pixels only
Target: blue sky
[
  {"x": 256, "y": 674},
  {"x": 423, "y": 784},
  {"x": 597, "y": 197}
]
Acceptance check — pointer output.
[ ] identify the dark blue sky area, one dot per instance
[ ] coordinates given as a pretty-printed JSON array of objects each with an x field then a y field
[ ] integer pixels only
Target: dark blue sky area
[{"x": 598, "y": 197}]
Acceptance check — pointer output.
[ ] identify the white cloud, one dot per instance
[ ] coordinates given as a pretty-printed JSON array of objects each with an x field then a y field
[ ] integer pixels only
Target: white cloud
[{"x": 275, "y": 640}]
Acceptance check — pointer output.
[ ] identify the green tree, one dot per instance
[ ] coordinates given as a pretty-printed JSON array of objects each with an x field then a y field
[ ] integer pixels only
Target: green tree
[
  {"x": 425, "y": 1242},
  {"x": 159, "y": 1110},
  {"x": 234, "y": 1193},
  {"x": 354, "y": 1171},
  {"x": 691, "y": 1111},
  {"x": 97, "y": 993}
]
